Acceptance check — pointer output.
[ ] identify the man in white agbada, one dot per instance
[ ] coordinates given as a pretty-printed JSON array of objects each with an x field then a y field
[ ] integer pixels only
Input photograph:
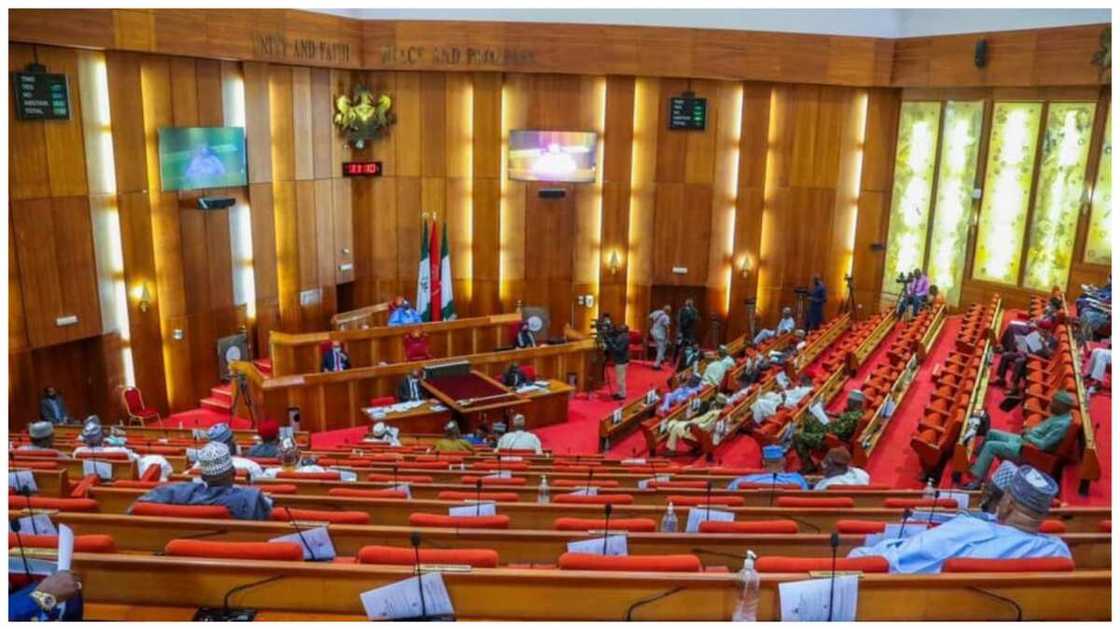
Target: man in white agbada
[
  {"x": 768, "y": 403},
  {"x": 839, "y": 471},
  {"x": 222, "y": 433},
  {"x": 383, "y": 434},
  {"x": 290, "y": 461},
  {"x": 716, "y": 370},
  {"x": 785, "y": 325},
  {"x": 95, "y": 442},
  {"x": 706, "y": 421},
  {"x": 1099, "y": 360},
  {"x": 519, "y": 439},
  {"x": 659, "y": 322}
]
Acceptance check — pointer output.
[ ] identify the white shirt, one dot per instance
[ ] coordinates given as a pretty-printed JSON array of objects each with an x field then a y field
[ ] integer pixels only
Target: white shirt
[
  {"x": 142, "y": 462},
  {"x": 240, "y": 463},
  {"x": 786, "y": 325},
  {"x": 519, "y": 440},
  {"x": 270, "y": 473},
  {"x": 854, "y": 477}
]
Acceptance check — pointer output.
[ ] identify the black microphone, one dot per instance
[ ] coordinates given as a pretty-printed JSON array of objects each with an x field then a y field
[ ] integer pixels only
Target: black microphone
[
  {"x": 773, "y": 483},
  {"x": 15, "y": 527},
  {"x": 936, "y": 495},
  {"x": 26, "y": 492},
  {"x": 419, "y": 584},
  {"x": 478, "y": 497},
  {"x": 708, "y": 514},
  {"x": 590, "y": 472},
  {"x": 902, "y": 530},
  {"x": 225, "y": 614},
  {"x": 834, "y": 540},
  {"x": 606, "y": 525},
  {"x": 395, "y": 482},
  {"x": 303, "y": 540}
]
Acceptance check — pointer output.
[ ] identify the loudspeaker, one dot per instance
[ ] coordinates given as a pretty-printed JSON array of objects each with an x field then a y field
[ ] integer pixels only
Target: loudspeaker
[
  {"x": 552, "y": 193},
  {"x": 981, "y": 57},
  {"x": 215, "y": 203}
]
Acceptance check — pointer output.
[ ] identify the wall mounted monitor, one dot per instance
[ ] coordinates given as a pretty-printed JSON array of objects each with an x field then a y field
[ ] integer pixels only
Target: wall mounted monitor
[
  {"x": 552, "y": 156},
  {"x": 202, "y": 157}
]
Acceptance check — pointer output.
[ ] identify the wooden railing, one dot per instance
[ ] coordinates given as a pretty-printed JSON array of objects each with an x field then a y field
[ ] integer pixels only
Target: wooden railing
[
  {"x": 365, "y": 317},
  {"x": 962, "y": 453},
  {"x": 368, "y": 347}
]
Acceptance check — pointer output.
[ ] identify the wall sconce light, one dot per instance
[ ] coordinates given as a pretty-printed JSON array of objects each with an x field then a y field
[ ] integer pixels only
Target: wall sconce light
[
  {"x": 143, "y": 297},
  {"x": 614, "y": 263},
  {"x": 744, "y": 266}
]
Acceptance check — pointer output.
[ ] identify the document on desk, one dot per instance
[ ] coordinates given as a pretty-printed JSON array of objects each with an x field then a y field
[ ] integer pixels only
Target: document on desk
[
  {"x": 474, "y": 508},
  {"x": 37, "y": 524},
  {"x": 401, "y": 600},
  {"x": 103, "y": 470},
  {"x": 403, "y": 487},
  {"x": 22, "y": 481},
  {"x": 807, "y": 600},
  {"x": 615, "y": 546},
  {"x": 698, "y": 515},
  {"x": 586, "y": 491},
  {"x": 643, "y": 484},
  {"x": 65, "y": 547},
  {"x": 961, "y": 498},
  {"x": 501, "y": 474},
  {"x": 818, "y": 412},
  {"x": 316, "y": 543},
  {"x": 894, "y": 531}
]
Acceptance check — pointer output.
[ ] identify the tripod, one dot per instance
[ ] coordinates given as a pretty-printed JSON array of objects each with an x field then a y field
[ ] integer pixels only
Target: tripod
[
  {"x": 242, "y": 390},
  {"x": 850, "y": 303}
]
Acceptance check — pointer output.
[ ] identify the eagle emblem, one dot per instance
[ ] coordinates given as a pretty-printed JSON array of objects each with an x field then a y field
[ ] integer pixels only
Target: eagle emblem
[{"x": 361, "y": 117}]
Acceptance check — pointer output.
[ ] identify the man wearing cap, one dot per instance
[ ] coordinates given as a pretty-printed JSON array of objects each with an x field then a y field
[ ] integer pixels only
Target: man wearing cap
[
  {"x": 716, "y": 370},
  {"x": 774, "y": 462},
  {"x": 519, "y": 439},
  {"x": 410, "y": 388},
  {"x": 810, "y": 436},
  {"x": 217, "y": 468},
  {"x": 452, "y": 441},
  {"x": 291, "y": 460},
  {"x": 382, "y": 433},
  {"x": 222, "y": 433},
  {"x": 269, "y": 446},
  {"x": 42, "y": 437},
  {"x": 838, "y": 471},
  {"x": 1045, "y": 436},
  {"x": 1013, "y": 534},
  {"x": 785, "y": 325},
  {"x": 93, "y": 435},
  {"x": 704, "y": 421}
]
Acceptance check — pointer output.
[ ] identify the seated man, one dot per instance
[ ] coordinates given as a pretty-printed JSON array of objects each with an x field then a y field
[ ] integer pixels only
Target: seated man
[
  {"x": 216, "y": 465},
  {"x": 403, "y": 314},
  {"x": 410, "y": 388},
  {"x": 1014, "y": 534},
  {"x": 480, "y": 437},
  {"x": 291, "y": 460},
  {"x": 519, "y": 439},
  {"x": 52, "y": 407},
  {"x": 917, "y": 291},
  {"x": 222, "y": 433},
  {"x": 1099, "y": 361},
  {"x": 774, "y": 461},
  {"x": 42, "y": 437},
  {"x": 679, "y": 395},
  {"x": 785, "y": 325},
  {"x": 525, "y": 337},
  {"x": 514, "y": 377},
  {"x": 95, "y": 442},
  {"x": 688, "y": 356},
  {"x": 1019, "y": 328},
  {"x": 1015, "y": 359},
  {"x": 838, "y": 470},
  {"x": 58, "y": 597},
  {"x": 269, "y": 446},
  {"x": 382, "y": 433},
  {"x": 716, "y": 370},
  {"x": 452, "y": 441},
  {"x": 810, "y": 435},
  {"x": 1045, "y": 436},
  {"x": 703, "y": 420},
  {"x": 335, "y": 358}
]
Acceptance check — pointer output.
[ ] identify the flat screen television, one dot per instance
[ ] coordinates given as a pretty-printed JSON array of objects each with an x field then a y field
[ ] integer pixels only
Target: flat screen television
[
  {"x": 202, "y": 157},
  {"x": 552, "y": 156}
]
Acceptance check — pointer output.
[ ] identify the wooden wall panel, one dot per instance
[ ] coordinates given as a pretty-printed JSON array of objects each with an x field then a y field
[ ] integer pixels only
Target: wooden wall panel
[
  {"x": 617, "y": 156},
  {"x": 876, "y": 181},
  {"x": 28, "y": 175}
]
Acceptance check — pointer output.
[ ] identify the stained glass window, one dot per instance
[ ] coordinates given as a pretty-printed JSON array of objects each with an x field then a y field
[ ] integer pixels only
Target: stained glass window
[
  {"x": 1061, "y": 184},
  {"x": 1098, "y": 244},
  {"x": 913, "y": 188},
  {"x": 1007, "y": 189},
  {"x": 960, "y": 145}
]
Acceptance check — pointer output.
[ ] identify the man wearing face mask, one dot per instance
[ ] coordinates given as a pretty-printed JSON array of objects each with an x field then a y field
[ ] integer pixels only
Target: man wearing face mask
[{"x": 52, "y": 407}]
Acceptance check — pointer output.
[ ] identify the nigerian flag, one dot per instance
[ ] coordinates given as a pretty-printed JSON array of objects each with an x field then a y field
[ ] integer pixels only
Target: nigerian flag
[
  {"x": 446, "y": 300},
  {"x": 424, "y": 279}
]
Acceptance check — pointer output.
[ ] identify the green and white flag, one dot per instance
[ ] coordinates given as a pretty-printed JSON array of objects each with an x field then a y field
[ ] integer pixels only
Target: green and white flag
[
  {"x": 424, "y": 279},
  {"x": 447, "y": 301}
]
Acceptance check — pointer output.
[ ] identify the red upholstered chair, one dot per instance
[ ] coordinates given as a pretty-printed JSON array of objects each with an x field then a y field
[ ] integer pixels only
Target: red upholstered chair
[
  {"x": 399, "y": 478},
  {"x": 88, "y": 543},
  {"x": 382, "y": 401},
  {"x": 327, "y": 516},
  {"x": 416, "y": 347},
  {"x": 569, "y": 524},
  {"x": 897, "y": 502},
  {"x": 493, "y": 481},
  {"x": 145, "y": 508},
  {"x": 421, "y": 519},
  {"x": 681, "y": 563},
  {"x": 785, "y": 564},
  {"x": 529, "y": 371},
  {"x": 1052, "y": 526},
  {"x": 636, "y": 344},
  {"x": 234, "y": 550},
  {"x": 43, "y": 465},
  {"x": 752, "y": 485},
  {"x": 456, "y": 495},
  {"x": 106, "y": 457},
  {"x": 477, "y": 558},
  {"x": 152, "y": 473},
  {"x": 779, "y": 526},
  {"x": 698, "y": 483},
  {"x": 1010, "y": 565},
  {"x": 330, "y": 475},
  {"x": 138, "y": 412},
  {"x": 852, "y": 526},
  {"x": 694, "y": 500},
  {"x": 580, "y": 483},
  {"x": 367, "y": 494},
  {"x": 17, "y": 502},
  {"x": 602, "y": 499},
  {"x": 135, "y": 483},
  {"x": 442, "y": 465},
  {"x": 279, "y": 488},
  {"x": 494, "y": 465},
  {"x": 815, "y": 502},
  {"x": 849, "y": 487}
]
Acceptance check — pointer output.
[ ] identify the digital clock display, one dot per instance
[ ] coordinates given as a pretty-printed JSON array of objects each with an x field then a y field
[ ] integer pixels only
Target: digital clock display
[{"x": 361, "y": 169}]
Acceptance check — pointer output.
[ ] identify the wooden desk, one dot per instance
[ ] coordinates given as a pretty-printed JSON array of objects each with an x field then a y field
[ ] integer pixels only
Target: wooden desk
[
  {"x": 429, "y": 417},
  {"x": 513, "y": 594},
  {"x": 475, "y": 399}
]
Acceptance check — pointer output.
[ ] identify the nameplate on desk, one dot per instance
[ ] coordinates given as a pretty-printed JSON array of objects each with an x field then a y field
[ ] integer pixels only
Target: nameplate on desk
[
  {"x": 66, "y": 320},
  {"x": 474, "y": 508}
]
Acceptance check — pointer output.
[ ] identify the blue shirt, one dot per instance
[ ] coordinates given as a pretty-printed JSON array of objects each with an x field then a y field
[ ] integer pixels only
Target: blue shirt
[
  {"x": 243, "y": 503},
  {"x": 404, "y": 316},
  {"x": 21, "y": 607},
  {"x": 769, "y": 478},
  {"x": 265, "y": 449},
  {"x": 962, "y": 537}
]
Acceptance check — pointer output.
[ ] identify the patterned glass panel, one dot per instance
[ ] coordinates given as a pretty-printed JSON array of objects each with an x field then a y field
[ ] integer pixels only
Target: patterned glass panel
[
  {"x": 1061, "y": 184},
  {"x": 1007, "y": 189},
  {"x": 1098, "y": 245},
  {"x": 913, "y": 188},
  {"x": 960, "y": 146}
]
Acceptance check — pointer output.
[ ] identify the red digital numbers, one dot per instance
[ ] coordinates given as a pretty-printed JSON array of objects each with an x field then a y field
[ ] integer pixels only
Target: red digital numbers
[{"x": 361, "y": 169}]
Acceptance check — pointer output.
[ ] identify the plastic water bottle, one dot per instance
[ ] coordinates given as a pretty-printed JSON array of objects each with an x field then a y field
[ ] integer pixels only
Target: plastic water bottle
[
  {"x": 542, "y": 490},
  {"x": 747, "y": 607},
  {"x": 669, "y": 521},
  {"x": 929, "y": 492}
]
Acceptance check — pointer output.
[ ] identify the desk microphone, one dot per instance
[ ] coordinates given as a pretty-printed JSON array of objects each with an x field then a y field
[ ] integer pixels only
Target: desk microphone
[
  {"x": 395, "y": 482},
  {"x": 25, "y": 491},
  {"x": 606, "y": 525},
  {"x": 415, "y": 537},
  {"x": 773, "y": 485},
  {"x": 936, "y": 495},
  {"x": 299, "y": 532},
  {"x": 477, "y": 498},
  {"x": 905, "y": 515},
  {"x": 15, "y": 527},
  {"x": 590, "y": 472},
  {"x": 833, "y": 540},
  {"x": 708, "y": 514}
]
